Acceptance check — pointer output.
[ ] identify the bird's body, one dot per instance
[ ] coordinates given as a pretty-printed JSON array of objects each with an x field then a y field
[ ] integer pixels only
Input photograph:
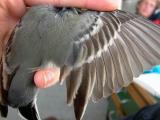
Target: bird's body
[
  {"x": 98, "y": 53},
  {"x": 53, "y": 48}
]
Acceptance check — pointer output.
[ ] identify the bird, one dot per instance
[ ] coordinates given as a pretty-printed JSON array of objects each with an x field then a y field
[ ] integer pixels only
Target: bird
[{"x": 98, "y": 53}]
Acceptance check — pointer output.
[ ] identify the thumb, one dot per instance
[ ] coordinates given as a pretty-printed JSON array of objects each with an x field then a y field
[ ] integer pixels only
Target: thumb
[{"x": 46, "y": 77}]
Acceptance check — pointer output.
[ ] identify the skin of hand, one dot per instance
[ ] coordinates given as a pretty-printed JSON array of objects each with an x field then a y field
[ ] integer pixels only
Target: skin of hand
[{"x": 12, "y": 10}]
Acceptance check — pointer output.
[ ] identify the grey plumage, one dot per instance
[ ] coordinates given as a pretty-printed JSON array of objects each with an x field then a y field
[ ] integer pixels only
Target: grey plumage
[{"x": 98, "y": 52}]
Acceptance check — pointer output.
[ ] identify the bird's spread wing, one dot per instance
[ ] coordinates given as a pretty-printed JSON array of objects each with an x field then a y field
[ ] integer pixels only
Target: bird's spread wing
[{"x": 123, "y": 46}]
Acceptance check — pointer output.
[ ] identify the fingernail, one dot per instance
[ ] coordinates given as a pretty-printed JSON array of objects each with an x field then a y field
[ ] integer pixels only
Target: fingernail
[
  {"x": 46, "y": 78},
  {"x": 49, "y": 77}
]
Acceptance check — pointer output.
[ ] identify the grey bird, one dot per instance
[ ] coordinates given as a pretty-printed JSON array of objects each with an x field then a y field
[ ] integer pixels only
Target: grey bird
[{"x": 98, "y": 53}]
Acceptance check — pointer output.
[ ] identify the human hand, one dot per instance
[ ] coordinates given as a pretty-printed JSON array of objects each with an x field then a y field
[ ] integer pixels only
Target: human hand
[{"x": 12, "y": 10}]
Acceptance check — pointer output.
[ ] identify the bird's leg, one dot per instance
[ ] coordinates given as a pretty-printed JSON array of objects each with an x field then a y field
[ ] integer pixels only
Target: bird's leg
[{"x": 30, "y": 112}]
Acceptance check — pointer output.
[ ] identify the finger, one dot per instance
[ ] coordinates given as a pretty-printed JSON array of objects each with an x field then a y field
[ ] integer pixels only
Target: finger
[
  {"x": 14, "y": 9},
  {"x": 102, "y": 5},
  {"x": 46, "y": 77}
]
